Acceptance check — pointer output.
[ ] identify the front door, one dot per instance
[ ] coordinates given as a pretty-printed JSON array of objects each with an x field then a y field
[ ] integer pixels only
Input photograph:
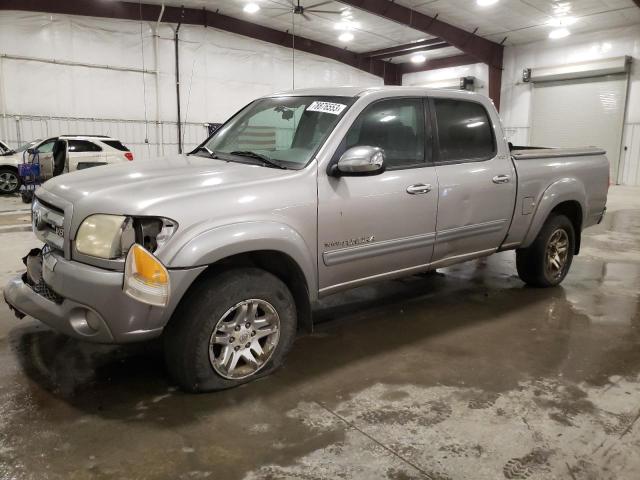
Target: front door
[
  {"x": 45, "y": 157},
  {"x": 371, "y": 226},
  {"x": 477, "y": 181}
]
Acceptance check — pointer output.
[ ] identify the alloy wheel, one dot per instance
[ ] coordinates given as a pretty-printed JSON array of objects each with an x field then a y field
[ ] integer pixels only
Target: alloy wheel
[
  {"x": 557, "y": 253},
  {"x": 244, "y": 339},
  {"x": 8, "y": 182}
]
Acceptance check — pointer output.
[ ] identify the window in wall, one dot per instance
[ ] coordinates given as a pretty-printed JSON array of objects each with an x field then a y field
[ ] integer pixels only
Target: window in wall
[
  {"x": 397, "y": 126},
  {"x": 464, "y": 131}
]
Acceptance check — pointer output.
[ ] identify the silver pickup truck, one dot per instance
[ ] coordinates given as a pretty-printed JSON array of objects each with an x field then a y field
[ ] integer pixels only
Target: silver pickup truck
[{"x": 299, "y": 195}]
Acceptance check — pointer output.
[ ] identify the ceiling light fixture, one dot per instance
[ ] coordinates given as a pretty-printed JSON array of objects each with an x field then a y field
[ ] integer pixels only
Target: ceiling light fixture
[
  {"x": 251, "y": 7},
  {"x": 418, "y": 58},
  {"x": 559, "y": 33},
  {"x": 346, "y": 37},
  {"x": 486, "y": 3}
]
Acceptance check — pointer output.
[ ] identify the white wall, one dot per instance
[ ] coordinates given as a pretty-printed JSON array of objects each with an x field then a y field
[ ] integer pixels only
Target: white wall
[
  {"x": 516, "y": 95},
  {"x": 220, "y": 72}
]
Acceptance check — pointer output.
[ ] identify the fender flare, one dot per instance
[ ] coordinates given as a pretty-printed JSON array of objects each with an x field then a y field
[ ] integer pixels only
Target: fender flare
[
  {"x": 563, "y": 190},
  {"x": 225, "y": 241}
]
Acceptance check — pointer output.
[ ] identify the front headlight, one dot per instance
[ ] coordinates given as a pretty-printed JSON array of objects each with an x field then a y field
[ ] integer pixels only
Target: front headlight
[
  {"x": 110, "y": 236},
  {"x": 102, "y": 236}
]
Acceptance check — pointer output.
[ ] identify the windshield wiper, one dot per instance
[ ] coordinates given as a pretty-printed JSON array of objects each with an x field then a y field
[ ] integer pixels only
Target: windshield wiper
[
  {"x": 249, "y": 154},
  {"x": 202, "y": 148}
]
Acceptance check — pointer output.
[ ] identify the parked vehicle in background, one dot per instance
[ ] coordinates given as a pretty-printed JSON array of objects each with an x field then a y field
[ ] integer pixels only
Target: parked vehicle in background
[
  {"x": 74, "y": 152},
  {"x": 4, "y": 148},
  {"x": 299, "y": 195}
]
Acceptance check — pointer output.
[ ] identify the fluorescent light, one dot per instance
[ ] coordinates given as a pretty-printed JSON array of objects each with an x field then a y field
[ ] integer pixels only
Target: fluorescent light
[
  {"x": 559, "y": 33},
  {"x": 418, "y": 58},
  {"x": 562, "y": 21},
  {"x": 345, "y": 37},
  {"x": 486, "y": 3},
  {"x": 251, "y": 7}
]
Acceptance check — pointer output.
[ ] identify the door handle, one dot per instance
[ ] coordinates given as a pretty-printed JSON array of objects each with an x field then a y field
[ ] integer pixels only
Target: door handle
[
  {"x": 501, "y": 179},
  {"x": 418, "y": 188}
]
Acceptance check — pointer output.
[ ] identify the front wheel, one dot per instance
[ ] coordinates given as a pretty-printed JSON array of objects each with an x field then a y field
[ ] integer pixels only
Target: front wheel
[
  {"x": 9, "y": 181},
  {"x": 547, "y": 261},
  {"x": 230, "y": 329}
]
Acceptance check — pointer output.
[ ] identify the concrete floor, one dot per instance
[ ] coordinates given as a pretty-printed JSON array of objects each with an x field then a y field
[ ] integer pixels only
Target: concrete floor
[{"x": 464, "y": 374}]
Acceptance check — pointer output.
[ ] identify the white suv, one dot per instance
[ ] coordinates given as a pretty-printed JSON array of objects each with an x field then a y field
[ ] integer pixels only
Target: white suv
[{"x": 61, "y": 154}]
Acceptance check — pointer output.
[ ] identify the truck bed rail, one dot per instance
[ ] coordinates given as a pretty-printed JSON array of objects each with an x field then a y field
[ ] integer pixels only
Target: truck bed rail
[{"x": 529, "y": 153}]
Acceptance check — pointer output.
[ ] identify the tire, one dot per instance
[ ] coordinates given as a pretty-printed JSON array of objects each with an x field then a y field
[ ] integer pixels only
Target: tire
[
  {"x": 544, "y": 263},
  {"x": 27, "y": 196},
  {"x": 212, "y": 306},
  {"x": 9, "y": 181}
]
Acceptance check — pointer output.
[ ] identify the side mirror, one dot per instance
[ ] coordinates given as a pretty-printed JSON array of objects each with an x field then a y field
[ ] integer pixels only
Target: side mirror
[
  {"x": 32, "y": 151},
  {"x": 363, "y": 160}
]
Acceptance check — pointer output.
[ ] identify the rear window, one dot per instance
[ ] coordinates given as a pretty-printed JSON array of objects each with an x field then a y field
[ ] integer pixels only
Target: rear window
[
  {"x": 82, "y": 146},
  {"x": 116, "y": 144},
  {"x": 464, "y": 131}
]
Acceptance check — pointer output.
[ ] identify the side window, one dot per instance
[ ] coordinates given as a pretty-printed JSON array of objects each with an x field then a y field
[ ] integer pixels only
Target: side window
[
  {"x": 46, "y": 147},
  {"x": 78, "y": 146},
  {"x": 397, "y": 126},
  {"x": 464, "y": 131}
]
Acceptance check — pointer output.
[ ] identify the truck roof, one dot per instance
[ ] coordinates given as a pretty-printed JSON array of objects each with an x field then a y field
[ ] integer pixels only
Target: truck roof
[{"x": 357, "y": 91}]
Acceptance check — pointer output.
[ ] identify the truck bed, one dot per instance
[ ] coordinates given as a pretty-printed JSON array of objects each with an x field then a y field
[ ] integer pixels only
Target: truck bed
[{"x": 577, "y": 173}]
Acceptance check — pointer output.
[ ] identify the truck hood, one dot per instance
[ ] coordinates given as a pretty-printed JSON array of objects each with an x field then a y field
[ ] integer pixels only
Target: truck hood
[{"x": 143, "y": 187}]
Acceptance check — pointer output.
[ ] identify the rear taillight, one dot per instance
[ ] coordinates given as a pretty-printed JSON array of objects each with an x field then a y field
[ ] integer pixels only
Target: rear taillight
[{"x": 128, "y": 156}]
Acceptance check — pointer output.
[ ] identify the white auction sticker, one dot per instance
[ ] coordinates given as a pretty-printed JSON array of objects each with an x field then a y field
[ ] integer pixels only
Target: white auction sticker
[{"x": 326, "y": 107}]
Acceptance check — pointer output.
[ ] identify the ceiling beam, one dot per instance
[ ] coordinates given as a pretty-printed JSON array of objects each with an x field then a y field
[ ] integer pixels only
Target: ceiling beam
[
  {"x": 202, "y": 17},
  {"x": 422, "y": 46},
  {"x": 436, "y": 63},
  {"x": 482, "y": 49}
]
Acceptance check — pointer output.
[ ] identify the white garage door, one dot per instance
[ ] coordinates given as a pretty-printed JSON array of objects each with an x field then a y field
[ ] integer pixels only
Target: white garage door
[{"x": 581, "y": 112}]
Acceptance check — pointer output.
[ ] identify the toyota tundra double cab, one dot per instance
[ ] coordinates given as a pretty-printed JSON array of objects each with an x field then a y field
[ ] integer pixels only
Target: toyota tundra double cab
[{"x": 299, "y": 195}]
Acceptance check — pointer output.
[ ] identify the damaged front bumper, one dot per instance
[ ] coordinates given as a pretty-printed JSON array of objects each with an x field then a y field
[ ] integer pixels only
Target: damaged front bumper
[{"x": 87, "y": 302}]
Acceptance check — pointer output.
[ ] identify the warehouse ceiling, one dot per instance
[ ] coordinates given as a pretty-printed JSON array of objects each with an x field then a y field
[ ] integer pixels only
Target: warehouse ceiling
[{"x": 520, "y": 21}]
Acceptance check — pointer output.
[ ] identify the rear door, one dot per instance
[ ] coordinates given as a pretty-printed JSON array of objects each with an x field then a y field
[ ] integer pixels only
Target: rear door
[
  {"x": 477, "y": 182},
  {"x": 84, "y": 154}
]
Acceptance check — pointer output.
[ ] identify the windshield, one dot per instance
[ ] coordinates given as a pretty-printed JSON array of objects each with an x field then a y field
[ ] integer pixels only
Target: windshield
[
  {"x": 22, "y": 148},
  {"x": 286, "y": 131}
]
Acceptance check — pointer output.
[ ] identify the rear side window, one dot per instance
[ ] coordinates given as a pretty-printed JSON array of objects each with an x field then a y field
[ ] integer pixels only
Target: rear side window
[
  {"x": 116, "y": 144},
  {"x": 78, "y": 146},
  {"x": 397, "y": 126},
  {"x": 464, "y": 131}
]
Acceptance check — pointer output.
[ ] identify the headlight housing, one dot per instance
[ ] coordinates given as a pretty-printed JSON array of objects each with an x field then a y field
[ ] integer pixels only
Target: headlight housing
[
  {"x": 111, "y": 236},
  {"x": 102, "y": 236}
]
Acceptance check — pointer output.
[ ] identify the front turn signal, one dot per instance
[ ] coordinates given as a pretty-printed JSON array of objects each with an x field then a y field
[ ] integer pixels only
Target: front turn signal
[{"x": 145, "y": 278}]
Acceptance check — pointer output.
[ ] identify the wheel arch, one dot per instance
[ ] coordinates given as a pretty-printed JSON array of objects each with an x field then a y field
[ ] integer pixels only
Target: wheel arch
[
  {"x": 566, "y": 197},
  {"x": 275, "y": 248}
]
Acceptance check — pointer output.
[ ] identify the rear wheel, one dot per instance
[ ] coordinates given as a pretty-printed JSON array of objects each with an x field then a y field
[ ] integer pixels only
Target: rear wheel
[
  {"x": 547, "y": 261},
  {"x": 229, "y": 329},
  {"x": 9, "y": 181}
]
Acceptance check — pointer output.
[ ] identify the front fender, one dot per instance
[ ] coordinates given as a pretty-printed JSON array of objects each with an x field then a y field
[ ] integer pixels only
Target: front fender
[
  {"x": 563, "y": 190},
  {"x": 221, "y": 242}
]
